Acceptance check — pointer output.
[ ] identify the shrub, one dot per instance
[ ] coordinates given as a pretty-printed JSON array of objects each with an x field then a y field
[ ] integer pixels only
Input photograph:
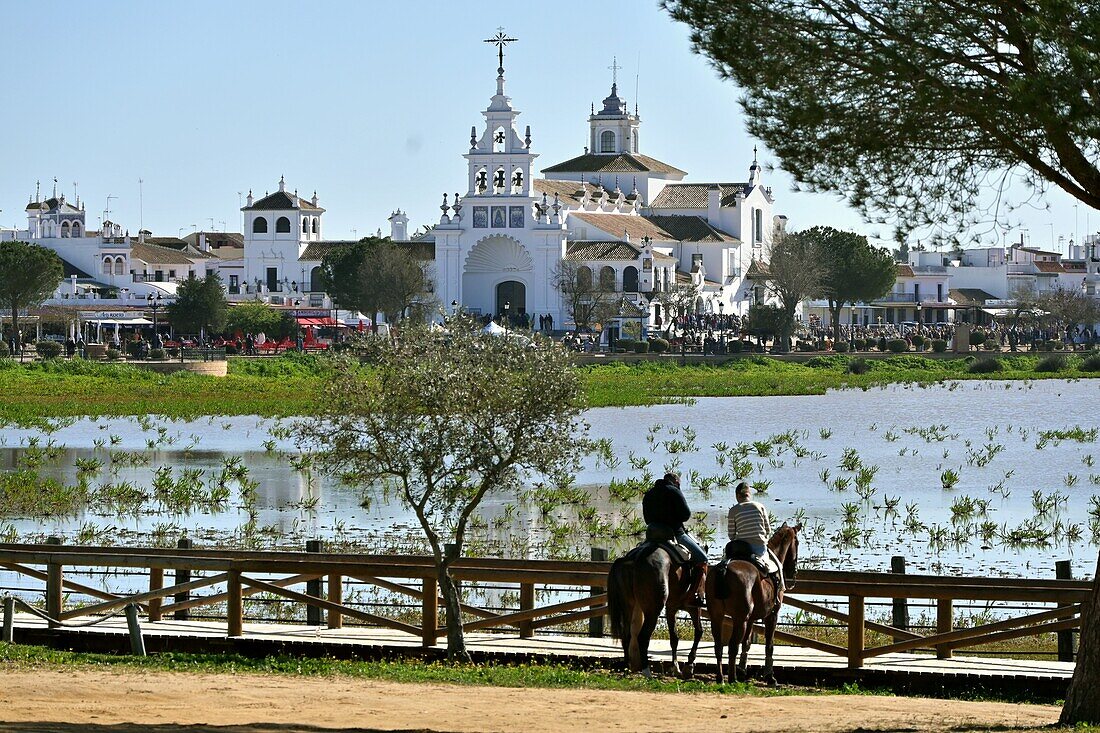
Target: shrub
[
  {"x": 48, "y": 349},
  {"x": 939, "y": 346},
  {"x": 897, "y": 346},
  {"x": 977, "y": 337},
  {"x": 840, "y": 347},
  {"x": 918, "y": 342},
  {"x": 861, "y": 344},
  {"x": 735, "y": 347},
  {"x": 986, "y": 365},
  {"x": 1090, "y": 363},
  {"x": 624, "y": 344},
  {"x": 230, "y": 350},
  {"x": 1054, "y": 345},
  {"x": 4, "y": 351},
  {"x": 156, "y": 354},
  {"x": 991, "y": 344},
  {"x": 858, "y": 366},
  {"x": 133, "y": 349},
  {"x": 113, "y": 354},
  {"x": 641, "y": 347},
  {"x": 807, "y": 346},
  {"x": 1052, "y": 363},
  {"x": 658, "y": 346},
  {"x": 173, "y": 352},
  {"x": 882, "y": 343}
]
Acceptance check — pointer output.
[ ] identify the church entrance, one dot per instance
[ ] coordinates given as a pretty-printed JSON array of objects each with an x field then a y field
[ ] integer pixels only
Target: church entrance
[{"x": 513, "y": 294}]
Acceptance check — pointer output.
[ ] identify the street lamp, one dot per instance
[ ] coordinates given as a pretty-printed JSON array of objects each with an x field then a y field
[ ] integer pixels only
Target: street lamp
[
  {"x": 454, "y": 307},
  {"x": 507, "y": 305},
  {"x": 154, "y": 303}
]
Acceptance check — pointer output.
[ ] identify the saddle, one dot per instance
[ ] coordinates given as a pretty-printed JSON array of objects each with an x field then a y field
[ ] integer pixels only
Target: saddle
[
  {"x": 740, "y": 550},
  {"x": 655, "y": 538}
]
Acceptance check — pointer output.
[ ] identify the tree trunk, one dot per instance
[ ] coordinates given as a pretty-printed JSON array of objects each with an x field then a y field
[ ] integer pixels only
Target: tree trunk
[
  {"x": 1082, "y": 702},
  {"x": 17, "y": 341},
  {"x": 456, "y": 638}
]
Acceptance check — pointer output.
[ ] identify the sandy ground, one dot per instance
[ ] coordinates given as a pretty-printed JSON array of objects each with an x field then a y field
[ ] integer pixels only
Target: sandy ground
[{"x": 125, "y": 701}]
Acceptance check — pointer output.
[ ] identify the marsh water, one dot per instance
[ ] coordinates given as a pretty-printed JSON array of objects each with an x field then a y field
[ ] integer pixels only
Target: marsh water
[{"x": 1004, "y": 440}]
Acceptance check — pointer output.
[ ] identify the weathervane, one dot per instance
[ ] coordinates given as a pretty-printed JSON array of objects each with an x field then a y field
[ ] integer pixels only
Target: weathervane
[
  {"x": 501, "y": 39},
  {"x": 614, "y": 70}
]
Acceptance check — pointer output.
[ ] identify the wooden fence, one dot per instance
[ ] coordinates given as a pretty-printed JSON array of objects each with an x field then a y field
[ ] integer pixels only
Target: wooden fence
[{"x": 415, "y": 577}]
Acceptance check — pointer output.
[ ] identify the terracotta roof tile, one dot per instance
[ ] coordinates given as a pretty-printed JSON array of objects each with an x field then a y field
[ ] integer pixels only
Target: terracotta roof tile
[
  {"x": 696, "y": 195},
  {"x": 564, "y": 189},
  {"x": 280, "y": 201},
  {"x": 590, "y": 249},
  {"x": 623, "y": 163},
  {"x": 1049, "y": 267},
  {"x": 969, "y": 296},
  {"x": 905, "y": 271},
  {"x": 661, "y": 228},
  {"x": 156, "y": 255}
]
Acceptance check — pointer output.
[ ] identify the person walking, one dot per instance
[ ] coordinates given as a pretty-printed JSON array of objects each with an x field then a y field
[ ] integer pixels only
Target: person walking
[
  {"x": 748, "y": 522},
  {"x": 665, "y": 510}
]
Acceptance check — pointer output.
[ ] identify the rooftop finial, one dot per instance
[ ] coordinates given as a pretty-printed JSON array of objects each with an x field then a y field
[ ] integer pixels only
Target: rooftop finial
[
  {"x": 614, "y": 74},
  {"x": 282, "y": 183},
  {"x": 754, "y": 155},
  {"x": 501, "y": 39}
]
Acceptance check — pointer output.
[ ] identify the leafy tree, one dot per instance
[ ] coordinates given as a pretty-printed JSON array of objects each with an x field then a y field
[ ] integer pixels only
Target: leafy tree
[
  {"x": 200, "y": 305},
  {"x": 587, "y": 299},
  {"x": 679, "y": 300},
  {"x": 1070, "y": 308},
  {"x": 1027, "y": 304},
  {"x": 442, "y": 422},
  {"x": 256, "y": 317},
  {"x": 795, "y": 271},
  {"x": 854, "y": 270},
  {"x": 28, "y": 275},
  {"x": 375, "y": 276},
  {"x": 764, "y": 320},
  {"x": 914, "y": 108}
]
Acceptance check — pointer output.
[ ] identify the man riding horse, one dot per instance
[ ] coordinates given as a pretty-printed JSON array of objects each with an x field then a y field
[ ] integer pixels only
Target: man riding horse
[
  {"x": 665, "y": 510},
  {"x": 748, "y": 523}
]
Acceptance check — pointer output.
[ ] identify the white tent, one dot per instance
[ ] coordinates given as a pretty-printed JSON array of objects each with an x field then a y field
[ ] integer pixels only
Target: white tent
[{"x": 493, "y": 329}]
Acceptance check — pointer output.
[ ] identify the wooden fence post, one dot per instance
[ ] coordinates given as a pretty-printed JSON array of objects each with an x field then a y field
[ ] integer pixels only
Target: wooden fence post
[
  {"x": 182, "y": 576},
  {"x": 235, "y": 605},
  {"x": 526, "y": 603},
  {"x": 901, "y": 605},
  {"x": 1063, "y": 570},
  {"x": 8, "y": 635},
  {"x": 156, "y": 582},
  {"x": 54, "y": 587},
  {"x": 335, "y": 595},
  {"x": 855, "y": 632},
  {"x": 430, "y": 619},
  {"x": 945, "y": 622},
  {"x": 313, "y": 588},
  {"x": 595, "y": 624}
]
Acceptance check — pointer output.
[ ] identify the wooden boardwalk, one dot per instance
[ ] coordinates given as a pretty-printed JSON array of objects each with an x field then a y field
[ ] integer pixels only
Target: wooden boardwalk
[{"x": 794, "y": 665}]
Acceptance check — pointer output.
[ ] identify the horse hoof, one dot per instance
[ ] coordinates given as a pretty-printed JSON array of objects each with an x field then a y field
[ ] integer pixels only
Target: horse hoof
[
  {"x": 689, "y": 672},
  {"x": 647, "y": 673},
  {"x": 676, "y": 672},
  {"x": 770, "y": 681}
]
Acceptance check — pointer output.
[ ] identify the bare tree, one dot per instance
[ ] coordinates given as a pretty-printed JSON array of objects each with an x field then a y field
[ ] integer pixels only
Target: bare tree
[
  {"x": 679, "y": 300},
  {"x": 588, "y": 299},
  {"x": 795, "y": 272},
  {"x": 1070, "y": 307}
]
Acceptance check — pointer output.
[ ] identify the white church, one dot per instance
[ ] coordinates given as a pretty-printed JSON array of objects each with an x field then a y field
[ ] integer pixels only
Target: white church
[{"x": 628, "y": 218}]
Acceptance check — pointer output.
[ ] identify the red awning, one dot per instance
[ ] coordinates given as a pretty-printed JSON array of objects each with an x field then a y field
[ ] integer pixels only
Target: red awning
[{"x": 326, "y": 321}]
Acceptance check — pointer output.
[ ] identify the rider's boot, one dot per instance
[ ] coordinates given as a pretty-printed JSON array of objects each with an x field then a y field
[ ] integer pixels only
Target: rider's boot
[{"x": 698, "y": 585}]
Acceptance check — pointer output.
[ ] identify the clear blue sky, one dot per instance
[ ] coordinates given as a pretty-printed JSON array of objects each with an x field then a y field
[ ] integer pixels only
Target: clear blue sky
[{"x": 368, "y": 102}]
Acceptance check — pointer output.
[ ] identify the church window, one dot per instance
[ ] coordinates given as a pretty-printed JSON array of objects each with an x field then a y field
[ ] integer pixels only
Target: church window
[
  {"x": 64, "y": 229},
  {"x": 758, "y": 225},
  {"x": 634, "y": 141},
  {"x": 607, "y": 277},
  {"x": 259, "y": 225},
  {"x": 499, "y": 139},
  {"x": 120, "y": 266},
  {"x": 630, "y": 279},
  {"x": 607, "y": 141},
  {"x": 282, "y": 225},
  {"x": 106, "y": 265},
  {"x": 305, "y": 225},
  {"x": 584, "y": 278},
  {"x": 76, "y": 228},
  {"x": 315, "y": 227}
]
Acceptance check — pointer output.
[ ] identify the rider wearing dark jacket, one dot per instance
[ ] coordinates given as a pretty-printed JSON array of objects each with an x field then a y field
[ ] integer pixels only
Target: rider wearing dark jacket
[{"x": 665, "y": 507}]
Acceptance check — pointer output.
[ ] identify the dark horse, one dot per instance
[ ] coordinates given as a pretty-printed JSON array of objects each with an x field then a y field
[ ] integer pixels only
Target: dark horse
[
  {"x": 742, "y": 595},
  {"x": 639, "y": 586}
]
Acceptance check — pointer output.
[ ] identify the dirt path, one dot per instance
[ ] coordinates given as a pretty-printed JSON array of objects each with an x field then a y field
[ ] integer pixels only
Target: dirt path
[{"x": 127, "y": 701}]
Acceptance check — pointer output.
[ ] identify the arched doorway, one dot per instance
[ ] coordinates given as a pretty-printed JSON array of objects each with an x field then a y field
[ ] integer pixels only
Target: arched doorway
[{"x": 514, "y": 293}]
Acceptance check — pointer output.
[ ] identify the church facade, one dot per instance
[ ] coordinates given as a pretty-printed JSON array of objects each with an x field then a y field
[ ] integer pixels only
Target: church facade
[{"x": 620, "y": 216}]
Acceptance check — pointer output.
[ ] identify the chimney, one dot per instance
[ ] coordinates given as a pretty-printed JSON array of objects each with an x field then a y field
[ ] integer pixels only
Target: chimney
[
  {"x": 204, "y": 246},
  {"x": 249, "y": 197},
  {"x": 399, "y": 226},
  {"x": 714, "y": 203}
]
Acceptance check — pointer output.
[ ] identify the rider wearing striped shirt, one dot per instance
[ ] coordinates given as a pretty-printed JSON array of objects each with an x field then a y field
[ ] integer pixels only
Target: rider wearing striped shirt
[{"x": 748, "y": 522}]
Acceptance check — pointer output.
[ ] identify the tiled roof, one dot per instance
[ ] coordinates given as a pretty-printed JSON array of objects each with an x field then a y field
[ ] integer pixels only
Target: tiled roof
[
  {"x": 663, "y": 228},
  {"x": 623, "y": 163},
  {"x": 156, "y": 255},
  {"x": 421, "y": 249},
  {"x": 905, "y": 271},
  {"x": 757, "y": 269},
  {"x": 969, "y": 296},
  {"x": 281, "y": 201},
  {"x": 695, "y": 195},
  {"x": 564, "y": 189},
  {"x": 586, "y": 250},
  {"x": 1073, "y": 266},
  {"x": 1052, "y": 267},
  {"x": 54, "y": 205}
]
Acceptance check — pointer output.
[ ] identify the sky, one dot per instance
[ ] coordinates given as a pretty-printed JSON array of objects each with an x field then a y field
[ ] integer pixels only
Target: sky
[{"x": 369, "y": 103}]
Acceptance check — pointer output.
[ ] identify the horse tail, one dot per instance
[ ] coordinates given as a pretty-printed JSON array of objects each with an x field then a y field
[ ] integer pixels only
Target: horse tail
[{"x": 619, "y": 592}]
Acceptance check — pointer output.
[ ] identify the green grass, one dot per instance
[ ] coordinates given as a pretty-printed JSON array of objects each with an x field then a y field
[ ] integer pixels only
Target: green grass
[{"x": 286, "y": 385}]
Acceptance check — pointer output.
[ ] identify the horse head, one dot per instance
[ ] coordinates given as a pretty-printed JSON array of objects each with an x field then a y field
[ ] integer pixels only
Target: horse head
[{"x": 786, "y": 549}]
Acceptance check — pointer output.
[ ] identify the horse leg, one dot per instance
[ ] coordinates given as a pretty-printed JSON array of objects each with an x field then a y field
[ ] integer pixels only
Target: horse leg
[
  {"x": 746, "y": 643},
  {"x": 697, "y": 631},
  {"x": 769, "y": 647},
  {"x": 718, "y": 631},
  {"x": 673, "y": 637},
  {"x": 646, "y": 634},
  {"x": 737, "y": 638},
  {"x": 633, "y": 652}
]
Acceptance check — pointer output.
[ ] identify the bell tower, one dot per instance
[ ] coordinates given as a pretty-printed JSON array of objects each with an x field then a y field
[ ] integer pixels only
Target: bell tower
[
  {"x": 613, "y": 130},
  {"x": 500, "y": 160}
]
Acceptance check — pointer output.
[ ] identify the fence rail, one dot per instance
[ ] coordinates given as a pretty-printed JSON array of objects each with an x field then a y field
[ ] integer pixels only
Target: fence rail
[{"x": 248, "y": 573}]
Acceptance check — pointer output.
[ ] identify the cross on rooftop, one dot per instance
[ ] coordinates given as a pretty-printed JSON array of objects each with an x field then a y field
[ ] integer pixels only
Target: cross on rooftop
[
  {"x": 501, "y": 39},
  {"x": 614, "y": 70}
]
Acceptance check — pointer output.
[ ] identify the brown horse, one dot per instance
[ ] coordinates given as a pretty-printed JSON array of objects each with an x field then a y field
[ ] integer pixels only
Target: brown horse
[
  {"x": 639, "y": 586},
  {"x": 749, "y": 596}
]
